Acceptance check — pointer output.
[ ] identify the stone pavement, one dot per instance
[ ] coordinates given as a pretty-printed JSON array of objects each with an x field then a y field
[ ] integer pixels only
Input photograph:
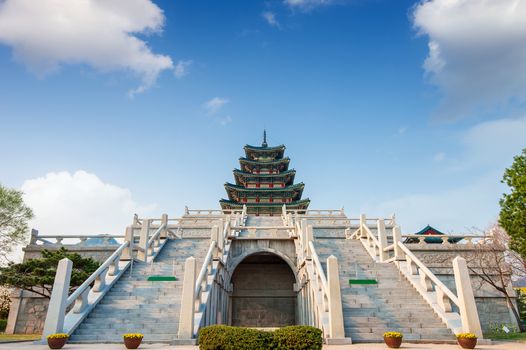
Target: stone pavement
[{"x": 495, "y": 346}]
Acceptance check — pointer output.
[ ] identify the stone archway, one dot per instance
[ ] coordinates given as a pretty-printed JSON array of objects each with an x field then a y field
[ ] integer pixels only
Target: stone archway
[{"x": 263, "y": 292}]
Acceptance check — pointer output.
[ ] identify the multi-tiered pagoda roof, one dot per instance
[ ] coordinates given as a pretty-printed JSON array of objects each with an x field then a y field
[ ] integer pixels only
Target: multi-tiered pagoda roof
[{"x": 264, "y": 182}]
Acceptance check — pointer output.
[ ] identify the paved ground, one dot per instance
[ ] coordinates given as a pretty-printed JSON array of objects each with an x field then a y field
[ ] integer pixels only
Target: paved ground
[{"x": 496, "y": 346}]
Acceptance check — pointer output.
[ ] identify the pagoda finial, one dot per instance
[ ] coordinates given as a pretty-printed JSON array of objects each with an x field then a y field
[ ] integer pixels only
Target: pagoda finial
[{"x": 264, "y": 144}]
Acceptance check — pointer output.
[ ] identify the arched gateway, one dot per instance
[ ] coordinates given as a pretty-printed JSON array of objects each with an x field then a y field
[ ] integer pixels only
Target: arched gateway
[{"x": 263, "y": 292}]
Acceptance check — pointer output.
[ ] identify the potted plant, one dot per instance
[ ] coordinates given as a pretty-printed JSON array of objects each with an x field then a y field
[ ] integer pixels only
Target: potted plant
[
  {"x": 57, "y": 340},
  {"x": 393, "y": 339},
  {"x": 132, "y": 340},
  {"x": 467, "y": 340}
]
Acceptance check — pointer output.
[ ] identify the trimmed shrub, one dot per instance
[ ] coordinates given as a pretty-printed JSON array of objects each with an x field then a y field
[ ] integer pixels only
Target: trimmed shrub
[
  {"x": 297, "y": 338},
  {"x": 233, "y": 338},
  {"x": 237, "y": 338}
]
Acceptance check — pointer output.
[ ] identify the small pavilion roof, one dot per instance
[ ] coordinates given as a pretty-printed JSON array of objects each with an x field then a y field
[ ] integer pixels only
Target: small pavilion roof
[{"x": 430, "y": 230}]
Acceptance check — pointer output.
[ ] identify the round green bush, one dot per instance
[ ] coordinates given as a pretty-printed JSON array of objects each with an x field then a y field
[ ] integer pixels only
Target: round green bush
[
  {"x": 238, "y": 338},
  {"x": 297, "y": 338}
]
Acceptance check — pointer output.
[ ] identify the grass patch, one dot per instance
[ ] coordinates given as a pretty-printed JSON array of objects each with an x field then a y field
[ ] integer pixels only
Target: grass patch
[
  {"x": 506, "y": 336},
  {"x": 13, "y": 337}
]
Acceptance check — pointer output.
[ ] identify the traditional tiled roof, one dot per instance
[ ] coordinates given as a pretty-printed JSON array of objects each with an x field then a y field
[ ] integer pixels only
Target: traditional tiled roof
[
  {"x": 264, "y": 163},
  {"x": 286, "y": 177},
  {"x": 264, "y": 159}
]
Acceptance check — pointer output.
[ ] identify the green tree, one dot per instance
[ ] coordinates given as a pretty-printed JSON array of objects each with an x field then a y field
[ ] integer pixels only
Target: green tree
[
  {"x": 513, "y": 204},
  {"x": 14, "y": 215},
  {"x": 37, "y": 275}
]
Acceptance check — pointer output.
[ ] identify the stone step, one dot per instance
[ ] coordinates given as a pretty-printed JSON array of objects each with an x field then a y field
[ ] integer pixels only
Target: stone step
[
  {"x": 428, "y": 332},
  {"x": 117, "y": 338},
  {"x": 132, "y": 324}
]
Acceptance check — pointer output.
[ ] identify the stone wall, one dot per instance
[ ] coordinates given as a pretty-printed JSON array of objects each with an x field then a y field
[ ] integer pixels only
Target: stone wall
[
  {"x": 491, "y": 304},
  {"x": 28, "y": 310}
]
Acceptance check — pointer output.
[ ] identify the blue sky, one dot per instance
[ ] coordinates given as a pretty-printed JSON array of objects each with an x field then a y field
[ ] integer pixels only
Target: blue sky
[{"x": 144, "y": 106}]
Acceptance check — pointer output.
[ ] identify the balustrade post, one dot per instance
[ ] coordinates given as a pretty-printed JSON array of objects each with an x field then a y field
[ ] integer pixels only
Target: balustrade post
[
  {"x": 127, "y": 253},
  {"x": 309, "y": 236},
  {"x": 143, "y": 240},
  {"x": 336, "y": 327},
  {"x": 164, "y": 221},
  {"x": 186, "y": 323},
  {"x": 397, "y": 238},
  {"x": 466, "y": 299},
  {"x": 34, "y": 236},
  {"x": 382, "y": 239},
  {"x": 411, "y": 266},
  {"x": 56, "y": 311},
  {"x": 363, "y": 222},
  {"x": 215, "y": 237}
]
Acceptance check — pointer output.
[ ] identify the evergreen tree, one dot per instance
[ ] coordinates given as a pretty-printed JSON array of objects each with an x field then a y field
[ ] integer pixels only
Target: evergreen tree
[
  {"x": 513, "y": 204},
  {"x": 38, "y": 275}
]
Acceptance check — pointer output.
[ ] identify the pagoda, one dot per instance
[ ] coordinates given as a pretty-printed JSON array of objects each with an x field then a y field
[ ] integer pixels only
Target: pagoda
[{"x": 264, "y": 183}]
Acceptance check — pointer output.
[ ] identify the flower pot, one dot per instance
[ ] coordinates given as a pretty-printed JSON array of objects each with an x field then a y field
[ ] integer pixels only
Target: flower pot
[
  {"x": 56, "y": 343},
  {"x": 467, "y": 343},
  {"x": 393, "y": 343},
  {"x": 132, "y": 343}
]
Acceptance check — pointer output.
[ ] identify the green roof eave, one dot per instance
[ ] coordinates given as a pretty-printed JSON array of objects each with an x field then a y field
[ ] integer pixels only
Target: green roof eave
[
  {"x": 247, "y": 174},
  {"x": 264, "y": 149},
  {"x": 298, "y": 186},
  {"x": 276, "y": 161}
]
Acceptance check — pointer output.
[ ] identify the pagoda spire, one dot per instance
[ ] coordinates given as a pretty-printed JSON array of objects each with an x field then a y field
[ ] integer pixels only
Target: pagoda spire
[{"x": 264, "y": 144}]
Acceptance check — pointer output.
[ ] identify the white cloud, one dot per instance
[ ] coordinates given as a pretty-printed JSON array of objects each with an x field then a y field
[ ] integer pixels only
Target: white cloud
[
  {"x": 307, "y": 4},
  {"x": 440, "y": 156},
  {"x": 182, "y": 68},
  {"x": 477, "y": 52},
  {"x": 456, "y": 210},
  {"x": 495, "y": 143},
  {"x": 270, "y": 18},
  {"x": 225, "y": 120},
  {"x": 213, "y": 105},
  {"x": 80, "y": 203},
  {"x": 488, "y": 148},
  {"x": 102, "y": 34}
]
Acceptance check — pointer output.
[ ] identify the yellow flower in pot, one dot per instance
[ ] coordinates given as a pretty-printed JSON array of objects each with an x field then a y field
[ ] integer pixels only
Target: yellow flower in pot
[
  {"x": 57, "y": 340},
  {"x": 467, "y": 340},
  {"x": 132, "y": 340},
  {"x": 393, "y": 339}
]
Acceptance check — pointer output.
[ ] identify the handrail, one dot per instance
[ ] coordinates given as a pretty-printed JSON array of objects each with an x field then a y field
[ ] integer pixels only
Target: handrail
[
  {"x": 318, "y": 266},
  {"x": 96, "y": 274},
  {"x": 156, "y": 234},
  {"x": 204, "y": 269},
  {"x": 371, "y": 236},
  {"x": 428, "y": 273}
]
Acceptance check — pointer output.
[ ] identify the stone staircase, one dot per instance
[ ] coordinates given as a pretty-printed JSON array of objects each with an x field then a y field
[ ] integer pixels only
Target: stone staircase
[
  {"x": 391, "y": 305},
  {"x": 135, "y": 305}
]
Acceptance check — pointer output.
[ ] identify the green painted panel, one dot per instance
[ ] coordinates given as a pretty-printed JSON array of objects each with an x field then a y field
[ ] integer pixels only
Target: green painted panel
[
  {"x": 363, "y": 281},
  {"x": 162, "y": 278}
]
